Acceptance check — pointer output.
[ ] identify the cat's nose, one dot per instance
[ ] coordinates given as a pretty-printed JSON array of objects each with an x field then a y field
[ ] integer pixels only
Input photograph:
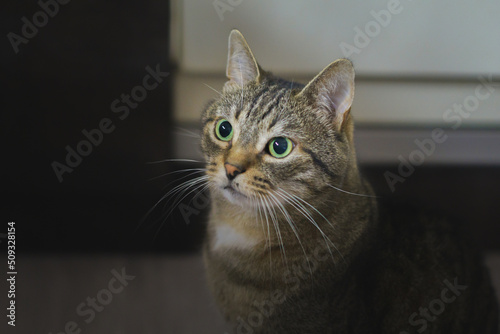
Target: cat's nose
[{"x": 232, "y": 170}]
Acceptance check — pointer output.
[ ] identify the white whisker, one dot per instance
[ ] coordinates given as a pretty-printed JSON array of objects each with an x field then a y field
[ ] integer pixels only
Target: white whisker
[
  {"x": 181, "y": 188},
  {"x": 198, "y": 170},
  {"x": 175, "y": 160},
  {"x": 267, "y": 206},
  {"x": 292, "y": 200},
  {"x": 268, "y": 233},
  {"x": 292, "y": 226},
  {"x": 195, "y": 184},
  {"x": 350, "y": 193},
  {"x": 188, "y": 133},
  {"x": 215, "y": 90}
]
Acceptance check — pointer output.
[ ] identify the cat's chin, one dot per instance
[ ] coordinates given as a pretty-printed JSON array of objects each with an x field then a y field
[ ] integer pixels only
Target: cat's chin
[
  {"x": 235, "y": 197},
  {"x": 245, "y": 201}
]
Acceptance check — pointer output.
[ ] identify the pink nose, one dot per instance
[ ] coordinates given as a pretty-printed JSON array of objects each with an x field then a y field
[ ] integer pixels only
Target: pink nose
[{"x": 232, "y": 171}]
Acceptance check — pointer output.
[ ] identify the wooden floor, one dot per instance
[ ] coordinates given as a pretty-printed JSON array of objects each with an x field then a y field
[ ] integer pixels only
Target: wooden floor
[{"x": 166, "y": 295}]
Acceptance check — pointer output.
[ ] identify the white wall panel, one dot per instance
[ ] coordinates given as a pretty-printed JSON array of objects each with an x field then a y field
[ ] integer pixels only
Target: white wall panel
[{"x": 425, "y": 38}]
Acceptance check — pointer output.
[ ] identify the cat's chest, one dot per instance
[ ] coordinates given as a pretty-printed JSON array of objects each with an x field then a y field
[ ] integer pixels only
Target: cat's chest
[{"x": 226, "y": 237}]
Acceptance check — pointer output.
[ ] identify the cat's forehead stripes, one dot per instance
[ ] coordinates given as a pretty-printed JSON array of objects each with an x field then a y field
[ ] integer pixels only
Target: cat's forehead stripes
[
  {"x": 273, "y": 104},
  {"x": 255, "y": 100},
  {"x": 255, "y": 129},
  {"x": 264, "y": 99}
]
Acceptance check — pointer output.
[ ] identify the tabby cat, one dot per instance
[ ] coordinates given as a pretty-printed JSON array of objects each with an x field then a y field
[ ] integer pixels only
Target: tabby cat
[{"x": 297, "y": 242}]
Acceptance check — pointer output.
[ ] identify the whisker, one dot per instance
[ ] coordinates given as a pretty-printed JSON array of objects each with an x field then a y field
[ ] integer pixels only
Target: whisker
[
  {"x": 311, "y": 206},
  {"x": 175, "y": 160},
  {"x": 199, "y": 193},
  {"x": 285, "y": 195},
  {"x": 215, "y": 90},
  {"x": 351, "y": 193},
  {"x": 255, "y": 204},
  {"x": 307, "y": 214},
  {"x": 195, "y": 186},
  {"x": 329, "y": 223},
  {"x": 276, "y": 228},
  {"x": 268, "y": 243},
  {"x": 275, "y": 220},
  {"x": 183, "y": 177},
  {"x": 316, "y": 210},
  {"x": 179, "y": 171},
  {"x": 292, "y": 226},
  {"x": 181, "y": 189},
  {"x": 178, "y": 188},
  {"x": 177, "y": 202},
  {"x": 188, "y": 133}
]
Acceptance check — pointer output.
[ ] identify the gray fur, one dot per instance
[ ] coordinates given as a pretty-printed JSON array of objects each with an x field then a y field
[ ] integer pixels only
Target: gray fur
[{"x": 337, "y": 261}]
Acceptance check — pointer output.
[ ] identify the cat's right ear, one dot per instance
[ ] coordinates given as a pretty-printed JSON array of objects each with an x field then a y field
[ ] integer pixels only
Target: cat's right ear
[{"x": 241, "y": 64}]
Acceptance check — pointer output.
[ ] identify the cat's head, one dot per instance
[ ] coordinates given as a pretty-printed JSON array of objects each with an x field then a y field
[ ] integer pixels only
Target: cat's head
[{"x": 266, "y": 139}]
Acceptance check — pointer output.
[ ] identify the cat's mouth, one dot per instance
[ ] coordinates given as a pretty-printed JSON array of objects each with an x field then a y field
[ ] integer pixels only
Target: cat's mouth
[{"x": 232, "y": 194}]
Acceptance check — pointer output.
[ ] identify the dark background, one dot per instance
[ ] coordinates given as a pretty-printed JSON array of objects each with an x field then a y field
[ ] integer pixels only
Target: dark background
[{"x": 64, "y": 80}]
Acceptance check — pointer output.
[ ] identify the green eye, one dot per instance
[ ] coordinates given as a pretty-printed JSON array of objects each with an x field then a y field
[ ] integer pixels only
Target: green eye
[
  {"x": 280, "y": 147},
  {"x": 224, "y": 130}
]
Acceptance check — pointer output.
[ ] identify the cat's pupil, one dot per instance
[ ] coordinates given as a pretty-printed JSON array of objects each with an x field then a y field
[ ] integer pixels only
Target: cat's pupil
[
  {"x": 280, "y": 145},
  {"x": 225, "y": 129}
]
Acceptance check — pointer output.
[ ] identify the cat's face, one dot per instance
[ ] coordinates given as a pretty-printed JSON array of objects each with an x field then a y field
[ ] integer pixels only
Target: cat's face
[{"x": 267, "y": 141}]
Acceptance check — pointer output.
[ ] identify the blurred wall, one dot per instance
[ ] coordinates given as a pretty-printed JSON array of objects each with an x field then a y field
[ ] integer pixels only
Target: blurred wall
[
  {"x": 414, "y": 62},
  {"x": 383, "y": 37}
]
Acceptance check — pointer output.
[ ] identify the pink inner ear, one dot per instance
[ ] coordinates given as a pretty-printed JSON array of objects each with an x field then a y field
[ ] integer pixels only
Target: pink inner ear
[
  {"x": 332, "y": 103},
  {"x": 335, "y": 96}
]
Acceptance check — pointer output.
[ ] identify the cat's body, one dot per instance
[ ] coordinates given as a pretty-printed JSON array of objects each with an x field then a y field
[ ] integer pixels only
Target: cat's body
[{"x": 296, "y": 242}]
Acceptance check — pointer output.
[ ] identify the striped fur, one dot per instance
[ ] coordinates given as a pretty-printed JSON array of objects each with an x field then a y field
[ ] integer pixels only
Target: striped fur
[{"x": 304, "y": 233}]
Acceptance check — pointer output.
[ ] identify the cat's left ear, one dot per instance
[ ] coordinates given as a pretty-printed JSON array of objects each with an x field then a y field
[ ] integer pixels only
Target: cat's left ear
[
  {"x": 332, "y": 90},
  {"x": 241, "y": 64}
]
